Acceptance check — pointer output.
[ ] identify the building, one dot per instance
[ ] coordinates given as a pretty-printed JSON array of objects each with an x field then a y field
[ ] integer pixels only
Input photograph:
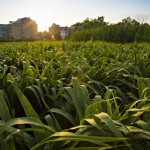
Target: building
[
  {"x": 58, "y": 32},
  {"x": 64, "y": 32},
  {"x": 54, "y": 29},
  {"x": 4, "y": 31},
  {"x": 24, "y": 28}
]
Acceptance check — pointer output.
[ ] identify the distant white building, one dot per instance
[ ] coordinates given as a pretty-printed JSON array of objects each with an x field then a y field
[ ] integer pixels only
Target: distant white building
[{"x": 64, "y": 32}]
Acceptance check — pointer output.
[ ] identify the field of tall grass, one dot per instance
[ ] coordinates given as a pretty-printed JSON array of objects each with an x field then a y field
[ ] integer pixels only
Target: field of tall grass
[{"x": 74, "y": 96}]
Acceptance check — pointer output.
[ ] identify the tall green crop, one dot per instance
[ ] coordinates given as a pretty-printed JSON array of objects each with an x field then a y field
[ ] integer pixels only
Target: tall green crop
[{"x": 74, "y": 95}]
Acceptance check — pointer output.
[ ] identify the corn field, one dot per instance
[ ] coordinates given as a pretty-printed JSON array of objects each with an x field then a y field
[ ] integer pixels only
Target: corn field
[{"x": 74, "y": 96}]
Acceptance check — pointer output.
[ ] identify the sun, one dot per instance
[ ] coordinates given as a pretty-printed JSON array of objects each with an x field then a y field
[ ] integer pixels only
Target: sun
[{"x": 43, "y": 24}]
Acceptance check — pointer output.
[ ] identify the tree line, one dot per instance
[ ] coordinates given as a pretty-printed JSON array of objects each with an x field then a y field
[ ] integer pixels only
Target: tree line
[{"x": 126, "y": 31}]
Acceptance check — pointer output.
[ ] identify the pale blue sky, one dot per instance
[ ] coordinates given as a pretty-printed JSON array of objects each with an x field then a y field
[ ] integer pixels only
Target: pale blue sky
[{"x": 68, "y": 12}]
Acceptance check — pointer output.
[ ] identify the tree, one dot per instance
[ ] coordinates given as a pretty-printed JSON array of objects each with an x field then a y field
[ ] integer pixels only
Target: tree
[
  {"x": 129, "y": 21},
  {"x": 93, "y": 23}
]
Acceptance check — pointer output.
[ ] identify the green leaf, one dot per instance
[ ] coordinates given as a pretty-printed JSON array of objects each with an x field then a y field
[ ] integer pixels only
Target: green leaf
[
  {"x": 143, "y": 125},
  {"x": 8, "y": 143},
  {"x": 109, "y": 122},
  {"x": 63, "y": 113},
  {"x": 80, "y": 97},
  {"x": 25, "y": 120},
  {"x": 68, "y": 136},
  {"x": 94, "y": 108},
  {"x": 108, "y": 95},
  {"x": 143, "y": 83},
  {"x": 4, "y": 109},
  {"x": 29, "y": 110},
  {"x": 95, "y": 124}
]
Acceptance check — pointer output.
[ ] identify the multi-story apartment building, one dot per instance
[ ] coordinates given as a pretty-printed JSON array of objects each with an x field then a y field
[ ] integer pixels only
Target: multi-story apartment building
[
  {"x": 24, "y": 28},
  {"x": 3, "y": 31},
  {"x": 55, "y": 30}
]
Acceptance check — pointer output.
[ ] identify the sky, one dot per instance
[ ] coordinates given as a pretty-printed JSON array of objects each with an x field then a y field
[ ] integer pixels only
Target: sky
[{"x": 68, "y": 12}]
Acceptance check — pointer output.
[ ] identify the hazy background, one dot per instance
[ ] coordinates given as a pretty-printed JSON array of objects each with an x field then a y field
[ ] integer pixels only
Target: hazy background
[{"x": 68, "y": 12}]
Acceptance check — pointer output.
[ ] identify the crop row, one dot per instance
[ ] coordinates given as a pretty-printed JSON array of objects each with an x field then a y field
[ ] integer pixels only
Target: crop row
[{"x": 74, "y": 95}]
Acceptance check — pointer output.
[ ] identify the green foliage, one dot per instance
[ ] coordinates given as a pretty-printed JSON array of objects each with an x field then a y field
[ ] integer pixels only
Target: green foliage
[
  {"x": 74, "y": 95},
  {"x": 127, "y": 31}
]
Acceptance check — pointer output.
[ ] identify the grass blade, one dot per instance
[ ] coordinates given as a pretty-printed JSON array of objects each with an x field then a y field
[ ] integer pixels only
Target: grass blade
[{"x": 4, "y": 110}]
